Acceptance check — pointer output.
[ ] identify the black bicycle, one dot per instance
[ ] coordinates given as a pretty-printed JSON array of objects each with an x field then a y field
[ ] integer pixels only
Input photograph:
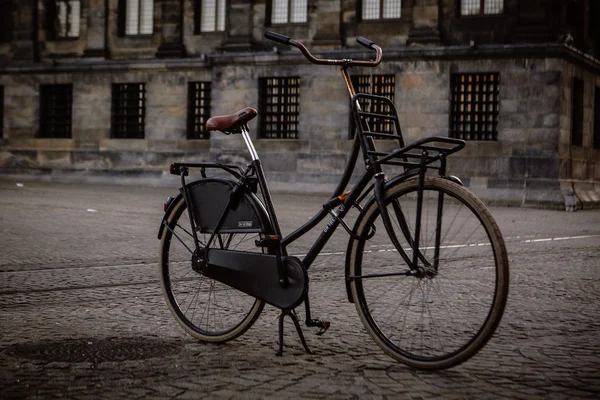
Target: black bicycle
[{"x": 426, "y": 265}]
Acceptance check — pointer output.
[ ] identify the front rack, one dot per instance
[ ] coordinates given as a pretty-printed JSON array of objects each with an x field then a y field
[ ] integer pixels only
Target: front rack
[
  {"x": 432, "y": 149},
  {"x": 377, "y": 119}
]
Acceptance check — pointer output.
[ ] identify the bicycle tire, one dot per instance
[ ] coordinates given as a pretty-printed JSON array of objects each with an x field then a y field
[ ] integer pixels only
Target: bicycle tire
[
  {"x": 206, "y": 309},
  {"x": 437, "y": 321}
]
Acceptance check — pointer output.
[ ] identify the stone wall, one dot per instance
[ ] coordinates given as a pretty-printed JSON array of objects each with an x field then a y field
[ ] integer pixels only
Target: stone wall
[
  {"x": 528, "y": 164},
  {"x": 530, "y": 44},
  {"x": 579, "y": 166}
]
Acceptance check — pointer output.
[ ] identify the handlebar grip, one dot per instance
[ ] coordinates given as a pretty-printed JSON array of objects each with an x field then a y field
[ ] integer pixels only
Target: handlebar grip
[
  {"x": 364, "y": 41},
  {"x": 278, "y": 37}
]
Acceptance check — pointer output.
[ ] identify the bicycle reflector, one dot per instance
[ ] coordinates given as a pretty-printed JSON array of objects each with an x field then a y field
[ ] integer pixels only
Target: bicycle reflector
[{"x": 168, "y": 203}]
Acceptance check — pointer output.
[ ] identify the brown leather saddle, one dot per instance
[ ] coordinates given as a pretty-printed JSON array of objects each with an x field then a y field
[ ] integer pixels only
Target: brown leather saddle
[{"x": 231, "y": 123}]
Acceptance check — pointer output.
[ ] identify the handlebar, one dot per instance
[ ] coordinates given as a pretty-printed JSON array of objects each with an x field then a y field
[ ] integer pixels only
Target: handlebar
[{"x": 277, "y": 37}]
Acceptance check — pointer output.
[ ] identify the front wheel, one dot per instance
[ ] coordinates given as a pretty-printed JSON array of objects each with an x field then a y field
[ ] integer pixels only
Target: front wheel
[
  {"x": 445, "y": 313},
  {"x": 205, "y": 308}
]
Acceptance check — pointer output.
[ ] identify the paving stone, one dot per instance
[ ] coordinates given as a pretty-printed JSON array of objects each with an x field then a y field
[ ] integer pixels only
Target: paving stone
[{"x": 68, "y": 274}]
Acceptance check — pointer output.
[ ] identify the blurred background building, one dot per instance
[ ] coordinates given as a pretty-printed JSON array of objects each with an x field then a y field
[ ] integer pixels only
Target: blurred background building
[{"x": 92, "y": 88}]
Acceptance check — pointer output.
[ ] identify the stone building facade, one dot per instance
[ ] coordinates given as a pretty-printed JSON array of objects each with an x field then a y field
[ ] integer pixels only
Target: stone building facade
[{"x": 93, "y": 88}]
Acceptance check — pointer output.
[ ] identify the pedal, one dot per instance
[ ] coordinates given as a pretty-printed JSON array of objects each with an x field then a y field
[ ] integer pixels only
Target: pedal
[{"x": 319, "y": 323}]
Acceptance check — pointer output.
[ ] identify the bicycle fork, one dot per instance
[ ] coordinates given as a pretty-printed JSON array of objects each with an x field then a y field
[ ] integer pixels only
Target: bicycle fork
[{"x": 413, "y": 240}]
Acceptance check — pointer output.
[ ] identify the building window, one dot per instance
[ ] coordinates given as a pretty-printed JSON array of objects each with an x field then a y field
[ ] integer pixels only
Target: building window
[
  {"x": 1, "y": 112},
  {"x": 481, "y": 7},
  {"x": 128, "y": 110},
  {"x": 198, "y": 110},
  {"x": 55, "y": 111},
  {"x": 380, "y": 85},
  {"x": 210, "y": 15},
  {"x": 279, "y": 105},
  {"x": 380, "y": 9},
  {"x": 139, "y": 16},
  {"x": 289, "y": 11},
  {"x": 5, "y": 21},
  {"x": 66, "y": 17},
  {"x": 474, "y": 106},
  {"x": 577, "y": 113},
  {"x": 597, "y": 118}
]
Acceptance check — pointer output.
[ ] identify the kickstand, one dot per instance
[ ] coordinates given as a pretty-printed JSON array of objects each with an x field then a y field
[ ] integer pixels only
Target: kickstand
[{"x": 294, "y": 318}]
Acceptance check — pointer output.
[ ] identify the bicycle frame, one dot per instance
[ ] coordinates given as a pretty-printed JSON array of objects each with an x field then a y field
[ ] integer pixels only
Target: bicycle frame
[
  {"x": 266, "y": 274},
  {"x": 341, "y": 203}
]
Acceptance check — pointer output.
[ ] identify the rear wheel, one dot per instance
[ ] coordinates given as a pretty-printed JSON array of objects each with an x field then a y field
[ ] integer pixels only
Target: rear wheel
[
  {"x": 205, "y": 308},
  {"x": 443, "y": 315}
]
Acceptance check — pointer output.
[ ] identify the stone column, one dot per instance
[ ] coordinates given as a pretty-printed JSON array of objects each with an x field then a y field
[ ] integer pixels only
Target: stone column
[
  {"x": 239, "y": 26},
  {"x": 425, "y": 28},
  {"x": 327, "y": 20},
  {"x": 25, "y": 30},
  {"x": 533, "y": 24},
  {"x": 96, "y": 29},
  {"x": 171, "y": 45}
]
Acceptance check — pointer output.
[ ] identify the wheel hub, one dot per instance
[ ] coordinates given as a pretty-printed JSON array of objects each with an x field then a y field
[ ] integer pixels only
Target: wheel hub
[
  {"x": 198, "y": 260},
  {"x": 425, "y": 271}
]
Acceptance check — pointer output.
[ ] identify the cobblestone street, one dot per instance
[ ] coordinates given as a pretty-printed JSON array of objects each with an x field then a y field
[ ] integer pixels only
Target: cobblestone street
[{"x": 82, "y": 313}]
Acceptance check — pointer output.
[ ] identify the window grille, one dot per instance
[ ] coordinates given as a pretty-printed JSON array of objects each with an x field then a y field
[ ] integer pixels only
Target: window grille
[
  {"x": 55, "y": 111},
  {"x": 474, "y": 106},
  {"x": 481, "y": 7},
  {"x": 67, "y": 19},
  {"x": 198, "y": 109},
  {"x": 139, "y": 15},
  {"x": 577, "y": 114},
  {"x": 1, "y": 112},
  {"x": 128, "y": 110},
  {"x": 381, "y": 9},
  {"x": 210, "y": 15},
  {"x": 597, "y": 118},
  {"x": 380, "y": 85},
  {"x": 279, "y": 105},
  {"x": 289, "y": 11}
]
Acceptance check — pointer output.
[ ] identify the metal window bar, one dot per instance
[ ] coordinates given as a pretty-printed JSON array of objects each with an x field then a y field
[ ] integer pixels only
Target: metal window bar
[
  {"x": 381, "y": 9},
  {"x": 577, "y": 113},
  {"x": 139, "y": 15},
  {"x": 597, "y": 118},
  {"x": 381, "y": 85},
  {"x": 198, "y": 109},
  {"x": 289, "y": 11},
  {"x": 68, "y": 18},
  {"x": 55, "y": 111},
  {"x": 474, "y": 106},
  {"x": 128, "y": 110},
  {"x": 481, "y": 7},
  {"x": 210, "y": 15},
  {"x": 279, "y": 104}
]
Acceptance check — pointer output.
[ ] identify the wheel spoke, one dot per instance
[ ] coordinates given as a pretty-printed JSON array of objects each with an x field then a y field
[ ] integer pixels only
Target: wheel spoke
[
  {"x": 431, "y": 319},
  {"x": 207, "y": 309}
]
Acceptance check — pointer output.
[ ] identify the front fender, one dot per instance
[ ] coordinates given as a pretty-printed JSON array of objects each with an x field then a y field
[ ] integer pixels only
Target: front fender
[{"x": 394, "y": 181}]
